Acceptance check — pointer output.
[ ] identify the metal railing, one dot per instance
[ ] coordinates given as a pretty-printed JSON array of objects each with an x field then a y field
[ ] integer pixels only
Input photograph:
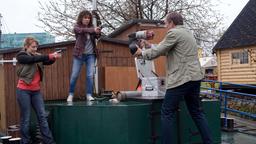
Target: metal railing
[{"x": 227, "y": 97}]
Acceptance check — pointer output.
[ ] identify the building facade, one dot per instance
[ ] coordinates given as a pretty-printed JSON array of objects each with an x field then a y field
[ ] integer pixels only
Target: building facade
[
  {"x": 236, "y": 49},
  {"x": 16, "y": 40}
]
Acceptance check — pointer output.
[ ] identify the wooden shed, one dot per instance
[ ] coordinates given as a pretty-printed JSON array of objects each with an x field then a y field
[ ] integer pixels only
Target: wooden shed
[
  {"x": 236, "y": 50},
  {"x": 116, "y": 69},
  {"x": 117, "y": 64}
]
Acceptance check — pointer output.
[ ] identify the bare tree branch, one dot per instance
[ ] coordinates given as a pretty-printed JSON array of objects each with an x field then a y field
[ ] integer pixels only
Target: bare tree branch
[{"x": 58, "y": 17}]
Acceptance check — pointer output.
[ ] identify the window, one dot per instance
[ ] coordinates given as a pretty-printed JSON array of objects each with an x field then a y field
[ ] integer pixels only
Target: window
[{"x": 240, "y": 57}]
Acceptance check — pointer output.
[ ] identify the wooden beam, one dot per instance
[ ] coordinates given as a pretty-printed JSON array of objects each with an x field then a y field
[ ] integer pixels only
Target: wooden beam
[
  {"x": 218, "y": 65},
  {"x": 2, "y": 101}
]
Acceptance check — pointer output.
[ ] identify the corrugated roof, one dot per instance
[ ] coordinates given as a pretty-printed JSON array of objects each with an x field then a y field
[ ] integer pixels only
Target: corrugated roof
[{"x": 242, "y": 32}]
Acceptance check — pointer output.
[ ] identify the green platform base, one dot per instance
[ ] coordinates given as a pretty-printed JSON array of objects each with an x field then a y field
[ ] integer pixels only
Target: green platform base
[
  {"x": 100, "y": 123},
  {"x": 131, "y": 122}
]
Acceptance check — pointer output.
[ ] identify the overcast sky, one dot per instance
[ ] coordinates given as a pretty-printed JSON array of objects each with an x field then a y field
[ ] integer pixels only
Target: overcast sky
[{"x": 20, "y": 16}]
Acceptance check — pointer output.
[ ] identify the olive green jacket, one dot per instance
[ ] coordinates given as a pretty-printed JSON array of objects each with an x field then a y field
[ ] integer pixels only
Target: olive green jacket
[
  {"x": 28, "y": 64},
  {"x": 181, "y": 50}
]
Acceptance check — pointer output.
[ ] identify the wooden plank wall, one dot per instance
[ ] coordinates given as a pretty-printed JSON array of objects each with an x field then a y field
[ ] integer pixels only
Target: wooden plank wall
[
  {"x": 119, "y": 78},
  {"x": 242, "y": 73},
  {"x": 10, "y": 82},
  {"x": 2, "y": 100},
  {"x": 115, "y": 55}
]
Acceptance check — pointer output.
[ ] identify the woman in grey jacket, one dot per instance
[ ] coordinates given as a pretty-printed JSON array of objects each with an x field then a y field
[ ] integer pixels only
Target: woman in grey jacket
[{"x": 30, "y": 74}]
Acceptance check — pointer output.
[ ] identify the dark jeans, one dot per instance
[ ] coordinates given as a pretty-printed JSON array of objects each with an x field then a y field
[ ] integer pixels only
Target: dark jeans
[
  {"x": 26, "y": 99},
  {"x": 190, "y": 92}
]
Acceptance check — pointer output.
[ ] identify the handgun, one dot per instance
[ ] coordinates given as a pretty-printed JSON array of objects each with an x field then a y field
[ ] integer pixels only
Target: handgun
[{"x": 60, "y": 50}]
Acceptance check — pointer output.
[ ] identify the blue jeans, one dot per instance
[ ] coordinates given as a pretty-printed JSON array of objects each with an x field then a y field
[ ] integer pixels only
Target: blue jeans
[
  {"x": 89, "y": 61},
  {"x": 190, "y": 92},
  {"x": 26, "y": 99}
]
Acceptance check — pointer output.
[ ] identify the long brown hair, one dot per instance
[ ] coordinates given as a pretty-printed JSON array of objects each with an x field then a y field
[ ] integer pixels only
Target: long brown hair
[{"x": 81, "y": 15}]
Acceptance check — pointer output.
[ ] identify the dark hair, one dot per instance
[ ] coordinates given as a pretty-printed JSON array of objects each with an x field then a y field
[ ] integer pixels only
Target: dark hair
[
  {"x": 81, "y": 15},
  {"x": 28, "y": 41},
  {"x": 174, "y": 17}
]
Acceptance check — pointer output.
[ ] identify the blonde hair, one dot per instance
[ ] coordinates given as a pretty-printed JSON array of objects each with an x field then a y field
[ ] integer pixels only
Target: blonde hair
[{"x": 28, "y": 41}]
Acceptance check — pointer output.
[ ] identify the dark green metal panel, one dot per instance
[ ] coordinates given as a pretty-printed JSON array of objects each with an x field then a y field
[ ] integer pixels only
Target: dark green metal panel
[
  {"x": 185, "y": 130},
  {"x": 97, "y": 123},
  {"x": 155, "y": 120},
  {"x": 156, "y": 107},
  {"x": 189, "y": 134},
  {"x": 130, "y": 122}
]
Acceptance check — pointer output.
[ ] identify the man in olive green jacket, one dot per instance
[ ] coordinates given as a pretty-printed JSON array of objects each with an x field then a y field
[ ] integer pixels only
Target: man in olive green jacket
[{"x": 183, "y": 76}]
